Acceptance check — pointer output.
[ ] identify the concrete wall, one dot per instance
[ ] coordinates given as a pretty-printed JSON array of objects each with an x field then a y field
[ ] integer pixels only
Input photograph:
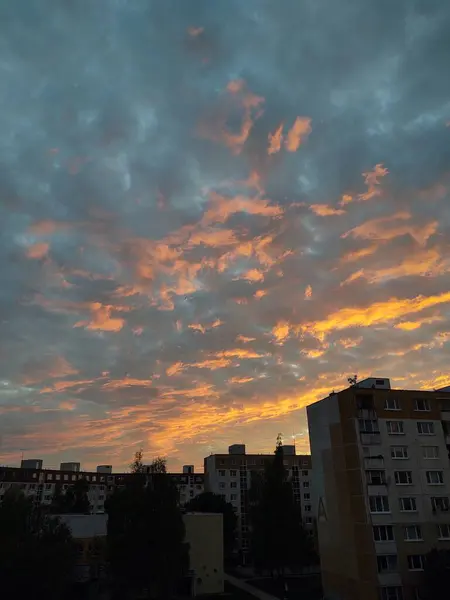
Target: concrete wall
[{"x": 204, "y": 533}]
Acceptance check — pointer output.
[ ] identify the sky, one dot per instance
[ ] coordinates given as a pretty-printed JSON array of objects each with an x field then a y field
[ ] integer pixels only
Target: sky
[{"x": 212, "y": 213}]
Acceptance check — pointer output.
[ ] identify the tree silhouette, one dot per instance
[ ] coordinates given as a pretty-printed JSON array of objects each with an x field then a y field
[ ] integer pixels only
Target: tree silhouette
[
  {"x": 37, "y": 553},
  {"x": 278, "y": 539},
  {"x": 146, "y": 534}
]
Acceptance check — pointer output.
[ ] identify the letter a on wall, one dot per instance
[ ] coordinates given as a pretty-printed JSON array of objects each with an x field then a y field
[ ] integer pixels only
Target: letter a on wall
[{"x": 321, "y": 512}]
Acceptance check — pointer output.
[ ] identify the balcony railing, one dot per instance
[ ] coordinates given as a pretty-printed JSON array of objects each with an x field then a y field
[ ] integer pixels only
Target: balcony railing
[{"x": 370, "y": 439}]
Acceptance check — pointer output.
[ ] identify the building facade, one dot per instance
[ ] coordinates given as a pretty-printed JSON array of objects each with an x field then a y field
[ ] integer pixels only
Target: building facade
[
  {"x": 381, "y": 487},
  {"x": 41, "y": 484},
  {"x": 230, "y": 476}
]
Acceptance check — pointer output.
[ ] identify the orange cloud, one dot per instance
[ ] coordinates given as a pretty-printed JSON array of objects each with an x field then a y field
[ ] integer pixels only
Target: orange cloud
[
  {"x": 297, "y": 134},
  {"x": 245, "y": 339},
  {"x": 377, "y": 313},
  {"x": 392, "y": 226},
  {"x": 101, "y": 319},
  {"x": 281, "y": 331},
  {"x": 239, "y": 97},
  {"x": 175, "y": 369},
  {"x": 221, "y": 207},
  {"x": 252, "y": 275},
  {"x": 275, "y": 140},
  {"x": 240, "y": 379},
  {"x": 357, "y": 254},
  {"x": 412, "y": 325},
  {"x": 38, "y": 250},
  {"x": 372, "y": 180},
  {"x": 323, "y": 210},
  {"x": 308, "y": 292}
]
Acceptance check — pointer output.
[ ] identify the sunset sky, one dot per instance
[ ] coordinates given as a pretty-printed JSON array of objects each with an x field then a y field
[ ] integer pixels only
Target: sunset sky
[{"x": 212, "y": 213}]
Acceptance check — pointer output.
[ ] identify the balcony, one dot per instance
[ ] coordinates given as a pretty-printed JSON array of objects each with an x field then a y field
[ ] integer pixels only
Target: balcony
[
  {"x": 370, "y": 438},
  {"x": 367, "y": 413},
  {"x": 374, "y": 462}
]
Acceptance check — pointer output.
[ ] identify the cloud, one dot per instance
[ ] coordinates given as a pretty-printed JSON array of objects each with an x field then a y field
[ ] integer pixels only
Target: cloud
[
  {"x": 298, "y": 133},
  {"x": 204, "y": 230}
]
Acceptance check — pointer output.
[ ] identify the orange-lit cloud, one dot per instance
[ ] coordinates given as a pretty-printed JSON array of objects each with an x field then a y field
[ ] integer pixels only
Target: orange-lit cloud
[
  {"x": 281, "y": 331},
  {"x": 275, "y": 140},
  {"x": 298, "y": 133},
  {"x": 392, "y": 226},
  {"x": 101, "y": 319},
  {"x": 372, "y": 179},
  {"x": 323, "y": 210},
  {"x": 379, "y": 312}
]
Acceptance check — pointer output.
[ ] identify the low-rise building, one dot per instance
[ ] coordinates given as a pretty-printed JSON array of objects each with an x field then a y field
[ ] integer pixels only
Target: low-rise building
[{"x": 41, "y": 484}]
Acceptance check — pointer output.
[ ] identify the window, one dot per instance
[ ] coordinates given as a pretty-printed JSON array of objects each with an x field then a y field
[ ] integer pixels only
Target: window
[
  {"x": 34, "y": 475},
  {"x": 403, "y": 477},
  {"x": 399, "y": 452},
  {"x": 387, "y": 562},
  {"x": 222, "y": 485},
  {"x": 66, "y": 477},
  {"x": 383, "y": 533},
  {"x": 422, "y": 404},
  {"x": 233, "y": 484},
  {"x": 308, "y": 519},
  {"x": 233, "y": 497},
  {"x": 368, "y": 426},
  {"x": 57, "y": 476},
  {"x": 233, "y": 473},
  {"x": 305, "y": 473},
  {"x": 435, "y": 477},
  {"x": 221, "y": 473},
  {"x": 306, "y": 496},
  {"x": 391, "y": 592},
  {"x": 413, "y": 533},
  {"x": 307, "y": 507},
  {"x": 430, "y": 451},
  {"x": 306, "y": 484},
  {"x": 408, "y": 504},
  {"x": 415, "y": 562},
  {"x": 94, "y": 478},
  {"x": 391, "y": 404},
  {"x": 49, "y": 476},
  {"x": 440, "y": 503},
  {"x": 425, "y": 428},
  {"x": 444, "y": 531},
  {"x": 48, "y": 486},
  {"x": 395, "y": 427},
  {"x": 199, "y": 487},
  {"x": 376, "y": 477},
  {"x": 379, "y": 504}
]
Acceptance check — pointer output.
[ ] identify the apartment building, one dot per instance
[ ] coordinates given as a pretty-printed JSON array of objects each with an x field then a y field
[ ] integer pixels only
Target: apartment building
[
  {"x": 41, "y": 484},
  {"x": 230, "y": 476},
  {"x": 381, "y": 487}
]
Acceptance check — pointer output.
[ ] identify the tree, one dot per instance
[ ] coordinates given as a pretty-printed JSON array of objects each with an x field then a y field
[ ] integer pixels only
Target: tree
[
  {"x": 146, "y": 534},
  {"x": 74, "y": 501},
  {"x": 213, "y": 503},
  {"x": 436, "y": 576},
  {"x": 278, "y": 538},
  {"x": 37, "y": 553},
  {"x": 137, "y": 465}
]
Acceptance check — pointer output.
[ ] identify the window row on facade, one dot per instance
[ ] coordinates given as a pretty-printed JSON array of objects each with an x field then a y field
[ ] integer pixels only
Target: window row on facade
[
  {"x": 395, "y": 427},
  {"x": 380, "y": 504},
  {"x": 411, "y": 533}
]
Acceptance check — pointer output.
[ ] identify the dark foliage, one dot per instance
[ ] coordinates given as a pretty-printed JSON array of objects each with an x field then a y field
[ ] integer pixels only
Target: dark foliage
[
  {"x": 37, "y": 553},
  {"x": 146, "y": 532}
]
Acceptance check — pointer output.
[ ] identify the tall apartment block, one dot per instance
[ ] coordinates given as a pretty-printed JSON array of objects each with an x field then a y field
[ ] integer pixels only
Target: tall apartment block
[
  {"x": 40, "y": 484},
  {"x": 229, "y": 475},
  {"x": 380, "y": 486}
]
